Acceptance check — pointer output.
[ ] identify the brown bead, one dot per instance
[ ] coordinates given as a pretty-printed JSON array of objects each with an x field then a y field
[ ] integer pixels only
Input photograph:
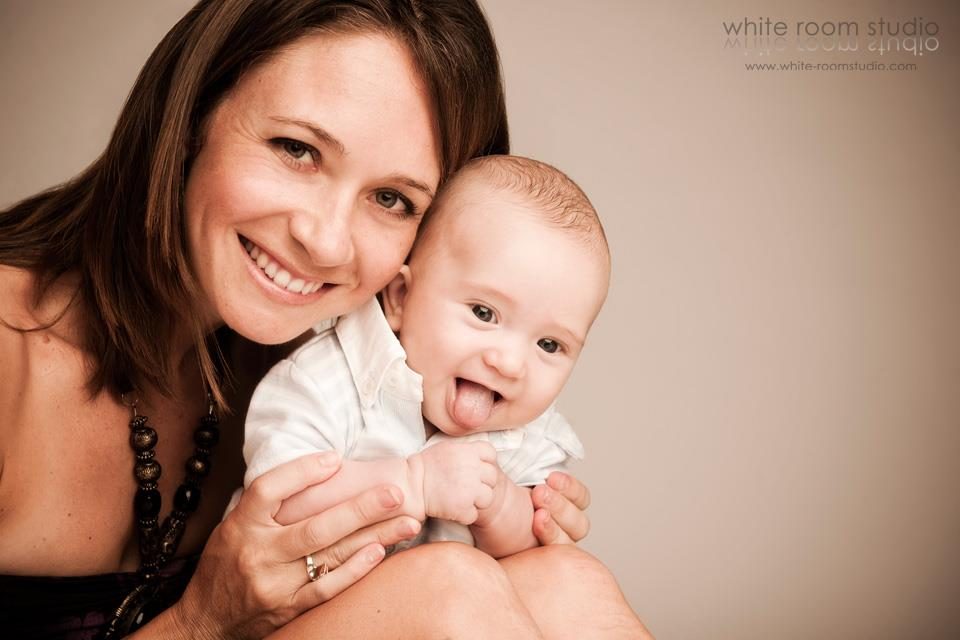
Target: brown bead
[
  {"x": 143, "y": 439},
  {"x": 198, "y": 466},
  {"x": 147, "y": 471},
  {"x": 206, "y": 437}
]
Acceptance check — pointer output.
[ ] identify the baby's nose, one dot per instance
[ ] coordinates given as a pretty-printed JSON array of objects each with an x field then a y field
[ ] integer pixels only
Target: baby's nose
[{"x": 509, "y": 362}]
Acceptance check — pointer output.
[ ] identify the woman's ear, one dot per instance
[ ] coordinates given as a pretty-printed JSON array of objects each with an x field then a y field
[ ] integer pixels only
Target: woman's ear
[{"x": 394, "y": 296}]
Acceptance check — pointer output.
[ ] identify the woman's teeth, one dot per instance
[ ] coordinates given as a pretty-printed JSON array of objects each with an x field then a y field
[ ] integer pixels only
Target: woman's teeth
[{"x": 281, "y": 277}]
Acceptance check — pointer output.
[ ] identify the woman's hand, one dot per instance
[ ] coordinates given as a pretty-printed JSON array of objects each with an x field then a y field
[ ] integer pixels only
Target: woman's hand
[
  {"x": 252, "y": 576},
  {"x": 559, "y": 505}
]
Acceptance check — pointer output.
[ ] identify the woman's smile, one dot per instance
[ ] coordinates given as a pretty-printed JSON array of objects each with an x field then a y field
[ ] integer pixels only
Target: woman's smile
[{"x": 280, "y": 276}]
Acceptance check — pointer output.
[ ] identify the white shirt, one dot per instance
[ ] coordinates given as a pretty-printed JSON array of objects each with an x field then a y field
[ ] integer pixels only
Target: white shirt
[{"x": 349, "y": 389}]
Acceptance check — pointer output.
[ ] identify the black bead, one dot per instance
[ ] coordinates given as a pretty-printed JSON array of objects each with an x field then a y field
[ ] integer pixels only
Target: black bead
[
  {"x": 172, "y": 532},
  {"x": 206, "y": 437},
  {"x": 209, "y": 421},
  {"x": 143, "y": 439},
  {"x": 146, "y": 504},
  {"x": 147, "y": 471},
  {"x": 198, "y": 465},
  {"x": 138, "y": 421},
  {"x": 187, "y": 498},
  {"x": 148, "y": 538},
  {"x": 147, "y": 612}
]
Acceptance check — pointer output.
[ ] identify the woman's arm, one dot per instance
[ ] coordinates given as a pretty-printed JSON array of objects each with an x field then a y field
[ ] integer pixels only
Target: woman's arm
[
  {"x": 354, "y": 477},
  {"x": 251, "y": 579}
]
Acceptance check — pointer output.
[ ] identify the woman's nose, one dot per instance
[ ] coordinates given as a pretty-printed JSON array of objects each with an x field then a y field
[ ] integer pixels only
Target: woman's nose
[
  {"x": 508, "y": 360},
  {"x": 325, "y": 232}
]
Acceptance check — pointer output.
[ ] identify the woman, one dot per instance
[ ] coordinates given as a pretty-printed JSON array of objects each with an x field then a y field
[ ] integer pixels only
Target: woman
[{"x": 319, "y": 131}]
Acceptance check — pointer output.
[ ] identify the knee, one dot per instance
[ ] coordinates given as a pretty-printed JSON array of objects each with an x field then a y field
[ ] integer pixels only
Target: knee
[
  {"x": 458, "y": 572},
  {"x": 570, "y": 566},
  {"x": 573, "y": 594}
]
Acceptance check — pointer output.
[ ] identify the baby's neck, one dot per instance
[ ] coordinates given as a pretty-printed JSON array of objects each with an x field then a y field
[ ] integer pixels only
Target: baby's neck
[{"x": 429, "y": 429}]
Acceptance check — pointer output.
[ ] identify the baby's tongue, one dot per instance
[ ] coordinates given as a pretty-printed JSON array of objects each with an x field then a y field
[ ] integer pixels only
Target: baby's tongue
[{"x": 473, "y": 404}]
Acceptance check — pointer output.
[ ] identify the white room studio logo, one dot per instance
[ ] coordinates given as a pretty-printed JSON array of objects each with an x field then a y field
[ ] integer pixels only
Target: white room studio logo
[{"x": 767, "y": 36}]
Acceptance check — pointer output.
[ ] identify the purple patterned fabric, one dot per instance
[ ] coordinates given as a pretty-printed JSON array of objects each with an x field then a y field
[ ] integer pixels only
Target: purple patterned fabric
[{"x": 75, "y": 607}]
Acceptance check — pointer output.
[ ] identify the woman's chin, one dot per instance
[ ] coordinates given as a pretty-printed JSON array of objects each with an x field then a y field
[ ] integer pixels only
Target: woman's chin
[{"x": 267, "y": 331}]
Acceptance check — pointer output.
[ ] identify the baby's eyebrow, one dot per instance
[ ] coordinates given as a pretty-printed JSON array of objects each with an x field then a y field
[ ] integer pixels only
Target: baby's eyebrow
[
  {"x": 571, "y": 338},
  {"x": 491, "y": 292}
]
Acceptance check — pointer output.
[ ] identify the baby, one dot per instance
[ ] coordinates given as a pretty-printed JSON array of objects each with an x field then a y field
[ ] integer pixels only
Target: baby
[{"x": 447, "y": 391}]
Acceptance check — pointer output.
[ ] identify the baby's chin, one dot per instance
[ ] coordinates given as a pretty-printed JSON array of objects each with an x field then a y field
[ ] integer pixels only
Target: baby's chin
[{"x": 449, "y": 426}]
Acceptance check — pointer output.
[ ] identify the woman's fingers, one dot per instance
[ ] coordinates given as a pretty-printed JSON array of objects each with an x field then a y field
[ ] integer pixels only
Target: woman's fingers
[
  {"x": 266, "y": 493},
  {"x": 336, "y": 580},
  {"x": 385, "y": 533},
  {"x": 574, "y": 490},
  {"x": 326, "y": 528},
  {"x": 547, "y": 531},
  {"x": 565, "y": 513},
  {"x": 352, "y": 558}
]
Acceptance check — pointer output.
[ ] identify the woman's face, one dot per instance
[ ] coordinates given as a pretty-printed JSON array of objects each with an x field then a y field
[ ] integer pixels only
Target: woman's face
[{"x": 313, "y": 173}]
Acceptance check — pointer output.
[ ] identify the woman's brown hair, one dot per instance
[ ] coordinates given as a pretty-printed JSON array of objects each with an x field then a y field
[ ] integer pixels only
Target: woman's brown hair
[{"x": 120, "y": 223}]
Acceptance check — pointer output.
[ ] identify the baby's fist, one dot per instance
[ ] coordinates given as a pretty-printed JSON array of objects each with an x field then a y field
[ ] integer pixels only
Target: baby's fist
[{"x": 458, "y": 479}]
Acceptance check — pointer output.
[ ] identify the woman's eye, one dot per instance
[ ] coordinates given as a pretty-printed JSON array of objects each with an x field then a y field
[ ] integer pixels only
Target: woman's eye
[
  {"x": 297, "y": 151},
  {"x": 485, "y": 314},
  {"x": 395, "y": 202},
  {"x": 388, "y": 199},
  {"x": 548, "y": 345}
]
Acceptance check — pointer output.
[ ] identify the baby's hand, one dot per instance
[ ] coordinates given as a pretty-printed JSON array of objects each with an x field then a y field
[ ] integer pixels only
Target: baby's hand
[{"x": 458, "y": 479}]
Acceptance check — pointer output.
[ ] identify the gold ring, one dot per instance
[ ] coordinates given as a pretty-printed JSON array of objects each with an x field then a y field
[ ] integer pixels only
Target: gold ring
[{"x": 314, "y": 572}]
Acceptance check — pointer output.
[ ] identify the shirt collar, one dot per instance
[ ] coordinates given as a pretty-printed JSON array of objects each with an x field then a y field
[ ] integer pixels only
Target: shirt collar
[{"x": 372, "y": 351}]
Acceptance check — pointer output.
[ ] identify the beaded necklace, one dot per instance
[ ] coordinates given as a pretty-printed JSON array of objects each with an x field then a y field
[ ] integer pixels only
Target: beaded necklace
[{"x": 158, "y": 542}]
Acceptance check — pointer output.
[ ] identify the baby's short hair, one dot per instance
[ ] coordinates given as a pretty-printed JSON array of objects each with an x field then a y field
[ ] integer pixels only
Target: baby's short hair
[{"x": 549, "y": 192}]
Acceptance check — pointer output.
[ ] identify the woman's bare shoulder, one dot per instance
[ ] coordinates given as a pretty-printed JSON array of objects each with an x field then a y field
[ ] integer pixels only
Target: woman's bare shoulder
[
  {"x": 16, "y": 304},
  {"x": 28, "y": 351},
  {"x": 21, "y": 312},
  {"x": 17, "y": 286}
]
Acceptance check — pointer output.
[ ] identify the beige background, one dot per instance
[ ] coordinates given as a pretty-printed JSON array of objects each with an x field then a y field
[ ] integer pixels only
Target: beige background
[{"x": 771, "y": 398}]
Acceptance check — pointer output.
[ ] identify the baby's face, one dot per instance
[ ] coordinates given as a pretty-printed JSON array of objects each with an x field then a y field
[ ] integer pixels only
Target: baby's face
[{"x": 496, "y": 313}]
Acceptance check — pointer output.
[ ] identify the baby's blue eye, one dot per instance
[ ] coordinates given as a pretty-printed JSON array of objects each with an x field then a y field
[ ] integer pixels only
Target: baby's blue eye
[
  {"x": 485, "y": 314},
  {"x": 548, "y": 345}
]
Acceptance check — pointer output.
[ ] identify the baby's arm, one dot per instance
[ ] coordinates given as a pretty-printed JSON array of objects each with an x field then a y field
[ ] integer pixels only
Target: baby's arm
[
  {"x": 453, "y": 481},
  {"x": 549, "y": 442},
  {"x": 506, "y": 527}
]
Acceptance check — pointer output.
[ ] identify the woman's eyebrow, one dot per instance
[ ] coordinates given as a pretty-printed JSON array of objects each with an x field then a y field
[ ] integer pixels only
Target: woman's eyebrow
[
  {"x": 413, "y": 184},
  {"x": 316, "y": 130}
]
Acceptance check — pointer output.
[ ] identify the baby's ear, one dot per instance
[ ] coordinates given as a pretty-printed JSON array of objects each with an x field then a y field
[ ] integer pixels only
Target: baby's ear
[{"x": 394, "y": 296}]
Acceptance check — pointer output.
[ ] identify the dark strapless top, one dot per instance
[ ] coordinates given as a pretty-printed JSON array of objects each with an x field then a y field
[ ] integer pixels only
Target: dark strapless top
[{"x": 76, "y": 607}]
